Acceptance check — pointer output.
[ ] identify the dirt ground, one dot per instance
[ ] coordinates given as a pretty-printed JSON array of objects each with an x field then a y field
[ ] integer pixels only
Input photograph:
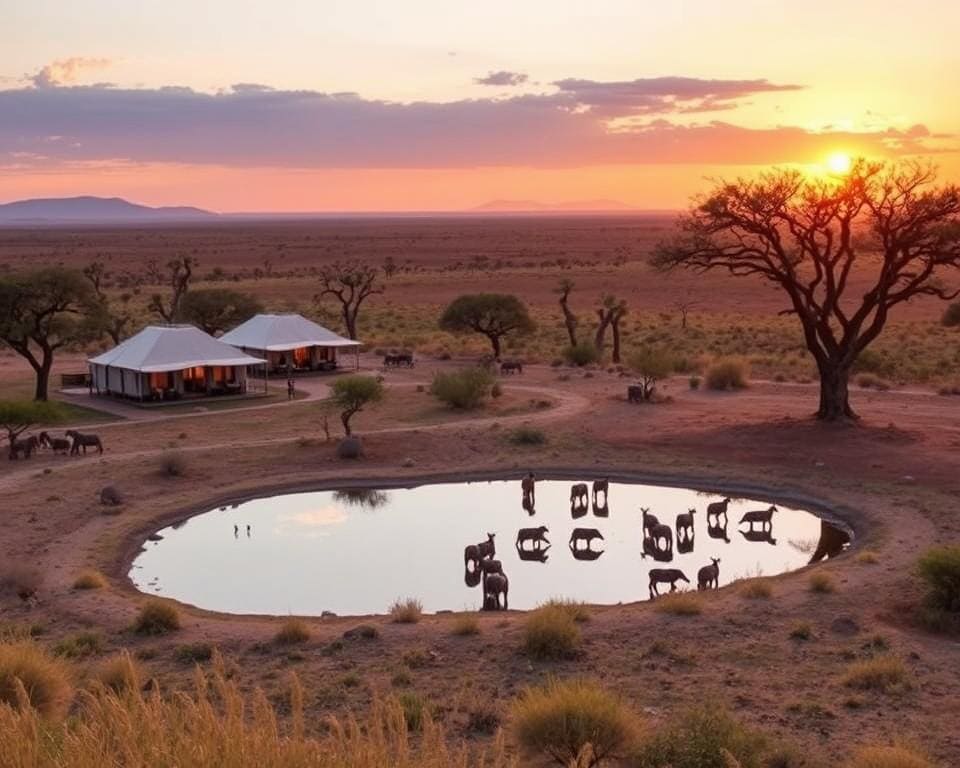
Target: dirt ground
[{"x": 895, "y": 478}]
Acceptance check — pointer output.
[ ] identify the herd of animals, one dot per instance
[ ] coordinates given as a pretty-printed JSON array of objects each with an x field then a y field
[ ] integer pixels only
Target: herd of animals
[
  {"x": 482, "y": 568},
  {"x": 71, "y": 443}
]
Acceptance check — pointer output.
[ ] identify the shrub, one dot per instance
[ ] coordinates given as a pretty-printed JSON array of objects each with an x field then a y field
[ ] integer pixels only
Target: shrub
[
  {"x": 120, "y": 673},
  {"x": 887, "y": 757},
  {"x": 551, "y": 633},
  {"x": 193, "y": 653},
  {"x": 157, "y": 617},
  {"x": 577, "y": 610},
  {"x": 496, "y": 390},
  {"x": 868, "y": 557},
  {"x": 173, "y": 464},
  {"x": 951, "y": 315},
  {"x": 694, "y": 382},
  {"x": 651, "y": 365},
  {"x": 727, "y": 373},
  {"x": 574, "y": 722},
  {"x": 350, "y": 448},
  {"x": 822, "y": 583},
  {"x": 80, "y": 645},
  {"x": 414, "y": 710},
  {"x": 90, "y": 579},
  {"x": 464, "y": 389},
  {"x": 465, "y": 624},
  {"x": 293, "y": 631},
  {"x": 26, "y": 669},
  {"x": 940, "y": 569},
  {"x": 699, "y": 737},
  {"x": 527, "y": 436},
  {"x": 884, "y": 673},
  {"x": 756, "y": 589},
  {"x": 584, "y": 353},
  {"x": 872, "y": 381},
  {"x": 351, "y": 394},
  {"x": 801, "y": 630},
  {"x": 407, "y": 611},
  {"x": 679, "y": 604}
]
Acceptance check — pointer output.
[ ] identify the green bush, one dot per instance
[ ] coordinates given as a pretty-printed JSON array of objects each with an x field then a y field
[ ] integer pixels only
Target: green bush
[
  {"x": 727, "y": 373},
  {"x": 574, "y": 722},
  {"x": 584, "y": 353},
  {"x": 156, "y": 617},
  {"x": 551, "y": 633},
  {"x": 193, "y": 653},
  {"x": 699, "y": 738},
  {"x": 651, "y": 364},
  {"x": 464, "y": 389},
  {"x": 940, "y": 569}
]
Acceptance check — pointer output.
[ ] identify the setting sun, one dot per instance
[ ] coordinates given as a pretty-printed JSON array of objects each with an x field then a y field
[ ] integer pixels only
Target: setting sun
[{"x": 839, "y": 162}]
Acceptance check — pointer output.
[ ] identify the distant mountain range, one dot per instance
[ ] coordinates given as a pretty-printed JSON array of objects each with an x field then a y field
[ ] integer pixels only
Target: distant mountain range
[
  {"x": 93, "y": 209},
  {"x": 534, "y": 206}
]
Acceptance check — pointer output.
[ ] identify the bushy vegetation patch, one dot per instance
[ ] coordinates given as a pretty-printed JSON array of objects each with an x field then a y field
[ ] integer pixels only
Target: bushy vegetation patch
[
  {"x": 727, "y": 373},
  {"x": 464, "y": 389},
  {"x": 940, "y": 570},
  {"x": 679, "y": 604},
  {"x": 756, "y": 589},
  {"x": 292, "y": 632},
  {"x": 551, "y": 633},
  {"x": 157, "y": 617},
  {"x": 31, "y": 676},
  {"x": 822, "y": 583},
  {"x": 408, "y": 611},
  {"x": 527, "y": 436},
  {"x": 173, "y": 464},
  {"x": 887, "y": 757},
  {"x": 80, "y": 646},
  {"x": 884, "y": 673},
  {"x": 120, "y": 673},
  {"x": 464, "y": 625},
  {"x": 90, "y": 579},
  {"x": 584, "y": 353}
]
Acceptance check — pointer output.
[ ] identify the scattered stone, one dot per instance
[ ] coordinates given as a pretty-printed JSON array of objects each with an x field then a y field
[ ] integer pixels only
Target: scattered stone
[
  {"x": 110, "y": 496},
  {"x": 154, "y": 537},
  {"x": 328, "y": 615},
  {"x": 350, "y": 448},
  {"x": 845, "y": 625},
  {"x": 408, "y": 462}
]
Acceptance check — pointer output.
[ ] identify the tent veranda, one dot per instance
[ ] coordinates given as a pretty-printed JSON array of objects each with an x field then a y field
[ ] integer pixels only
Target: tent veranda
[
  {"x": 290, "y": 342},
  {"x": 171, "y": 362}
]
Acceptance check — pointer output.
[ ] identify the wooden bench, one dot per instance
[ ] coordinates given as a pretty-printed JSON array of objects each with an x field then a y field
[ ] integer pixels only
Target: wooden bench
[{"x": 74, "y": 379}]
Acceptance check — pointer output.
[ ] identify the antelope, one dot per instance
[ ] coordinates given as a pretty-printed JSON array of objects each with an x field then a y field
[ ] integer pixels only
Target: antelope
[
  {"x": 665, "y": 576},
  {"x": 494, "y": 585},
  {"x": 717, "y": 508},
  {"x": 477, "y": 552},
  {"x": 649, "y": 521},
  {"x": 56, "y": 444},
  {"x": 685, "y": 524},
  {"x": 762, "y": 516},
  {"x": 81, "y": 440},
  {"x": 709, "y": 576}
]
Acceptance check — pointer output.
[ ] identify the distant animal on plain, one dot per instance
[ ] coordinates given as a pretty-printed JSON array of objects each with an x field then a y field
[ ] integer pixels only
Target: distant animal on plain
[
  {"x": 511, "y": 366},
  {"x": 669, "y": 576},
  {"x": 762, "y": 516},
  {"x": 536, "y": 535},
  {"x": 649, "y": 521},
  {"x": 83, "y": 440},
  {"x": 56, "y": 444},
  {"x": 634, "y": 394},
  {"x": 717, "y": 508},
  {"x": 25, "y": 446},
  {"x": 477, "y": 552},
  {"x": 397, "y": 359},
  {"x": 708, "y": 577},
  {"x": 495, "y": 585},
  {"x": 685, "y": 524}
]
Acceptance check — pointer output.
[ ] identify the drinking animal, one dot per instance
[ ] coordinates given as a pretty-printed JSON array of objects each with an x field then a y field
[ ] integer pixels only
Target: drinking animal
[
  {"x": 665, "y": 576},
  {"x": 56, "y": 444},
  {"x": 84, "y": 440}
]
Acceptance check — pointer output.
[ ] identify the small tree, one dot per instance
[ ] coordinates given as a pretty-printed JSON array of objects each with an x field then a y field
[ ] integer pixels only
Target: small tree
[
  {"x": 178, "y": 275},
  {"x": 352, "y": 393},
  {"x": 350, "y": 284},
  {"x": 217, "y": 309},
  {"x": 493, "y": 314},
  {"x": 17, "y": 416},
  {"x": 610, "y": 312},
  {"x": 651, "y": 365},
  {"x": 116, "y": 320},
  {"x": 43, "y": 311},
  {"x": 569, "y": 318}
]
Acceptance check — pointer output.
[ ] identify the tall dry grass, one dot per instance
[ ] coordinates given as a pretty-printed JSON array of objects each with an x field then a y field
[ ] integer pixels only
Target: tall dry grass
[{"x": 218, "y": 727}]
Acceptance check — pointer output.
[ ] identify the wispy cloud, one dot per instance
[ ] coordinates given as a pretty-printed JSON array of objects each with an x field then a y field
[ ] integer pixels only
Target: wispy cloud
[
  {"x": 502, "y": 77},
  {"x": 66, "y": 71}
]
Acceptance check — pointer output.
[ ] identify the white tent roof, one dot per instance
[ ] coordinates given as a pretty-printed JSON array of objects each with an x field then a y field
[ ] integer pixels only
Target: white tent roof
[
  {"x": 171, "y": 348},
  {"x": 279, "y": 333}
]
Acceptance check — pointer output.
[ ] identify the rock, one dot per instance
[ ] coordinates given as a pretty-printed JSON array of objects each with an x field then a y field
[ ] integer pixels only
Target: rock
[
  {"x": 408, "y": 462},
  {"x": 350, "y": 448},
  {"x": 154, "y": 537},
  {"x": 110, "y": 496},
  {"x": 844, "y": 625},
  {"x": 328, "y": 615}
]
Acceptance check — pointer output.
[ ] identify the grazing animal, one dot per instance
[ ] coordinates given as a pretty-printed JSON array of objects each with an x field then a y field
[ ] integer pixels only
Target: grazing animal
[
  {"x": 717, "y": 508},
  {"x": 490, "y": 565},
  {"x": 685, "y": 524},
  {"x": 495, "y": 585},
  {"x": 397, "y": 359},
  {"x": 665, "y": 576},
  {"x": 82, "y": 440},
  {"x": 579, "y": 499},
  {"x": 708, "y": 577},
  {"x": 634, "y": 394},
  {"x": 56, "y": 444},
  {"x": 474, "y": 553},
  {"x": 762, "y": 516},
  {"x": 511, "y": 366},
  {"x": 26, "y": 446},
  {"x": 537, "y": 536}
]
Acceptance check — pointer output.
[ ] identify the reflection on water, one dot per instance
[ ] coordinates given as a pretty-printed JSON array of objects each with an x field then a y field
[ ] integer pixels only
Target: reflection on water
[{"x": 356, "y": 551}]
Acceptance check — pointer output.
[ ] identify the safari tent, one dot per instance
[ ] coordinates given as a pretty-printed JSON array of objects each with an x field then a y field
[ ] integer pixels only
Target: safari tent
[
  {"x": 171, "y": 362},
  {"x": 291, "y": 342}
]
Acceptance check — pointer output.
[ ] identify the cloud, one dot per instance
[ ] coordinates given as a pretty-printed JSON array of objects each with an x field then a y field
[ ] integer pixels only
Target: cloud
[
  {"x": 66, "y": 71},
  {"x": 502, "y": 77},
  {"x": 582, "y": 123}
]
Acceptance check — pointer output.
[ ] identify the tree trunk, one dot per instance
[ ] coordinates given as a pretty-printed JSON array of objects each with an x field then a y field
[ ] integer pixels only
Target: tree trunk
[
  {"x": 570, "y": 320},
  {"x": 345, "y": 419},
  {"x": 495, "y": 343},
  {"x": 599, "y": 340},
  {"x": 615, "y": 326},
  {"x": 835, "y": 394},
  {"x": 350, "y": 320}
]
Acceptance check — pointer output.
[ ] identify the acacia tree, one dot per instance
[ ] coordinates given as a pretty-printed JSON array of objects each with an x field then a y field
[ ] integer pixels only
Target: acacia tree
[
  {"x": 494, "y": 315},
  {"x": 178, "y": 275},
  {"x": 350, "y": 284},
  {"x": 217, "y": 309},
  {"x": 609, "y": 314},
  {"x": 352, "y": 393},
  {"x": 116, "y": 322},
  {"x": 569, "y": 318},
  {"x": 17, "y": 416},
  {"x": 844, "y": 251},
  {"x": 43, "y": 311}
]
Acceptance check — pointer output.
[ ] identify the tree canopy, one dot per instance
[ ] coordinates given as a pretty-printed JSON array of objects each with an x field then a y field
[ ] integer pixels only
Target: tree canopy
[
  {"x": 352, "y": 393},
  {"x": 214, "y": 310},
  {"x": 845, "y": 251},
  {"x": 351, "y": 284},
  {"x": 492, "y": 314},
  {"x": 17, "y": 416}
]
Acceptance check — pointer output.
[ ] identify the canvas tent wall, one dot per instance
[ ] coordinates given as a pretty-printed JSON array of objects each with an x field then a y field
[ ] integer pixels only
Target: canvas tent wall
[
  {"x": 163, "y": 362},
  {"x": 290, "y": 341}
]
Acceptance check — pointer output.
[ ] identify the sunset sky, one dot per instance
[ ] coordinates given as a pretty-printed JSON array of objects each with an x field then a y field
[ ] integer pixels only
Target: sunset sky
[{"x": 310, "y": 105}]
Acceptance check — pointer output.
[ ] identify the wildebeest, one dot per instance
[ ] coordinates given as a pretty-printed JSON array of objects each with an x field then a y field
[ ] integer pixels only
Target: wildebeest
[
  {"x": 398, "y": 359},
  {"x": 579, "y": 499},
  {"x": 717, "y": 508},
  {"x": 664, "y": 532},
  {"x": 477, "y": 552},
  {"x": 762, "y": 516},
  {"x": 634, "y": 393},
  {"x": 495, "y": 585},
  {"x": 537, "y": 536},
  {"x": 511, "y": 366},
  {"x": 665, "y": 576},
  {"x": 83, "y": 440},
  {"x": 56, "y": 444},
  {"x": 25, "y": 446},
  {"x": 709, "y": 576}
]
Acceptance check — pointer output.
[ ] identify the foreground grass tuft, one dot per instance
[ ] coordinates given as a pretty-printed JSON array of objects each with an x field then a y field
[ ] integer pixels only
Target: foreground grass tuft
[
  {"x": 293, "y": 631},
  {"x": 90, "y": 579},
  {"x": 868, "y": 557},
  {"x": 408, "y": 611},
  {"x": 940, "y": 569},
  {"x": 551, "y": 633},
  {"x": 31, "y": 677},
  {"x": 679, "y": 604},
  {"x": 756, "y": 589},
  {"x": 465, "y": 624},
  {"x": 822, "y": 583},
  {"x": 573, "y": 722},
  {"x": 120, "y": 673},
  {"x": 157, "y": 617},
  {"x": 884, "y": 673}
]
